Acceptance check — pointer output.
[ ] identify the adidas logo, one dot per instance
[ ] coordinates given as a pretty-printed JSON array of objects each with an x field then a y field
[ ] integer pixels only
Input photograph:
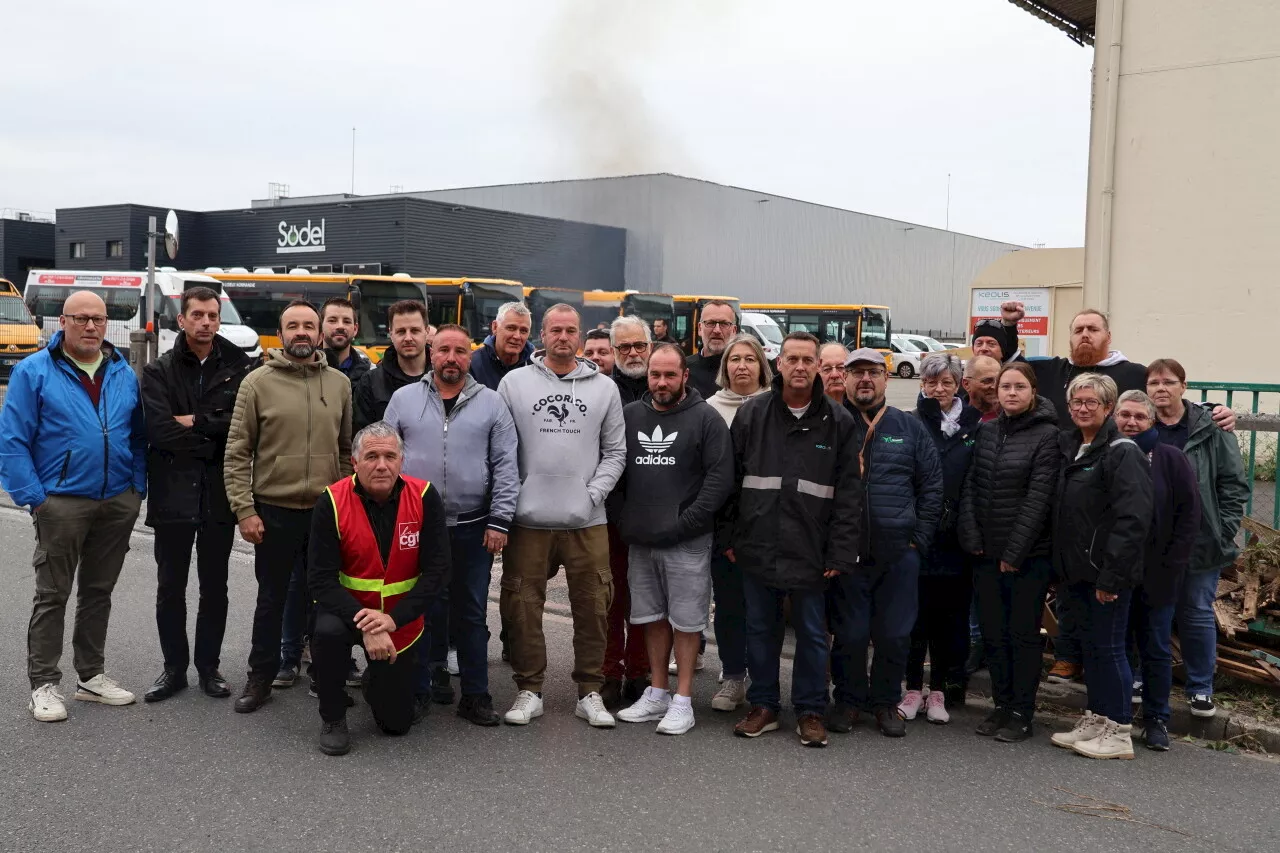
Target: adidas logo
[{"x": 656, "y": 443}]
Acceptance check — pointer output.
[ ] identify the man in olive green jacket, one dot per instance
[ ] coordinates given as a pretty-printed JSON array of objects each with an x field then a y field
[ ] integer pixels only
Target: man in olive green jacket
[{"x": 290, "y": 438}]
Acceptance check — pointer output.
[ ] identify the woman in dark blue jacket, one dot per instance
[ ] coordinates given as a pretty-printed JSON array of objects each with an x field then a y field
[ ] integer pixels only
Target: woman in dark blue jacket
[
  {"x": 1174, "y": 526},
  {"x": 946, "y": 578}
]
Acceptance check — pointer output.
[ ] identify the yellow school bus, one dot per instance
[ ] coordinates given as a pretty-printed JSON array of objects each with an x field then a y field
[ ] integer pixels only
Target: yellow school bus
[
  {"x": 471, "y": 303},
  {"x": 602, "y": 306},
  {"x": 260, "y": 297},
  {"x": 377, "y": 294},
  {"x": 854, "y": 326},
  {"x": 688, "y": 312}
]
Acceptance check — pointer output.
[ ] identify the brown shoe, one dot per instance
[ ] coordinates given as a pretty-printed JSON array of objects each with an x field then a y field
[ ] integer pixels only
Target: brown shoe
[
  {"x": 758, "y": 721},
  {"x": 257, "y": 690},
  {"x": 1064, "y": 672},
  {"x": 811, "y": 730}
]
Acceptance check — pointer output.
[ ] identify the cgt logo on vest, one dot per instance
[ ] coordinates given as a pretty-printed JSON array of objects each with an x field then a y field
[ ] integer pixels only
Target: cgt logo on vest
[
  {"x": 407, "y": 536},
  {"x": 308, "y": 238},
  {"x": 657, "y": 444}
]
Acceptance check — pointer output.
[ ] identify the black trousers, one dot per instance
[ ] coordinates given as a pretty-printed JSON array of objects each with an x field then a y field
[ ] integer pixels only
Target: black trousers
[
  {"x": 284, "y": 546},
  {"x": 173, "y": 546},
  {"x": 941, "y": 630},
  {"x": 388, "y": 687},
  {"x": 1010, "y": 608}
]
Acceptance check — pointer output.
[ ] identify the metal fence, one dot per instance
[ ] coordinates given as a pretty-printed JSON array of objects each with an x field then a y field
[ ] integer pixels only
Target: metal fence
[{"x": 1256, "y": 429}]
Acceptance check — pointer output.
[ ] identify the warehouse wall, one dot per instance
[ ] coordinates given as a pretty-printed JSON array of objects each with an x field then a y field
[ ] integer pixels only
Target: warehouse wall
[{"x": 24, "y": 245}]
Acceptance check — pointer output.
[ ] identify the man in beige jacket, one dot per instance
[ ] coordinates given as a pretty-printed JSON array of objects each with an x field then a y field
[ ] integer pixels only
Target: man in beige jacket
[{"x": 290, "y": 438}]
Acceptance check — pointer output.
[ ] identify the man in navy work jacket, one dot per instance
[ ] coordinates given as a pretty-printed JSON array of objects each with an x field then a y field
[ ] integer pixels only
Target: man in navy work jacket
[{"x": 73, "y": 449}]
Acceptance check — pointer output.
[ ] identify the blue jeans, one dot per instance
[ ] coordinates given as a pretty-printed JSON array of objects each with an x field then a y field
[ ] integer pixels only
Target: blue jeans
[
  {"x": 1152, "y": 627},
  {"x": 293, "y": 627},
  {"x": 1103, "y": 628},
  {"x": 764, "y": 646},
  {"x": 1067, "y": 645},
  {"x": 1197, "y": 630},
  {"x": 879, "y": 606},
  {"x": 731, "y": 616},
  {"x": 461, "y": 611}
]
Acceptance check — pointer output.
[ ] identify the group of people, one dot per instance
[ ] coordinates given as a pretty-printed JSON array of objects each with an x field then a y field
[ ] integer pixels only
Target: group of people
[{"x": 659, "y": 483}]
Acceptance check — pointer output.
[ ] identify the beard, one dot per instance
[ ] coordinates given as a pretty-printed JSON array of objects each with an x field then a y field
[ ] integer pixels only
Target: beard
[
  {"x": 633, "y": 370},
  {"x": 667, "y": 398},
  {"x": 451, "y": 374},
  {"x": 300, "y": 349},
  {"x": 1086, "y": 355}
]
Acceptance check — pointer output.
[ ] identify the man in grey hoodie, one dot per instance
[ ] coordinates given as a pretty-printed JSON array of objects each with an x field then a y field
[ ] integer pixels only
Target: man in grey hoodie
[
  {"x": 571, "y": 453},
  {"x": 458, "y": 435}
]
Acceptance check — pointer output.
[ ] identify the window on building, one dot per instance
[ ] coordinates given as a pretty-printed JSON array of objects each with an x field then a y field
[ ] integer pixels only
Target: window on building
[
  {"x": 77, "y": 250},
  {"x": 115, "y": 248}
]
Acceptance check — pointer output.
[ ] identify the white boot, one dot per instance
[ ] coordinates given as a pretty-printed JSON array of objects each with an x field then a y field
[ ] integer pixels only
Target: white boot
[
  {"x": 1088, "y": 728},
  {"x": 1115, "y": 741}
]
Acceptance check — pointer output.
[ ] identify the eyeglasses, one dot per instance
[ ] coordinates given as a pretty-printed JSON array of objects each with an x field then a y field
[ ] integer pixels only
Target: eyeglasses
[
  {"x": 83, "y": 320},
  {"x": 868, "y": 372},
  {"x": 1084, "y": 405},
  {"x": 642, "y": 346},
  {"x": 718, "y": 324}
]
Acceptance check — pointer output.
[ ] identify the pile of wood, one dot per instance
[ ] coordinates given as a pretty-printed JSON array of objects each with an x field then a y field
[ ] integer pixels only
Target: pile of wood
[{"x": 1247, "y": 610}]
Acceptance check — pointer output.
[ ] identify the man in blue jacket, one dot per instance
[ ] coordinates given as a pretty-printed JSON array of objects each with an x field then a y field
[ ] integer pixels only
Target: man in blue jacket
[
  {"x": 73, "y": 449},
  {"x": 877, "y": 603},
  {"x": 507, "y": 348}
]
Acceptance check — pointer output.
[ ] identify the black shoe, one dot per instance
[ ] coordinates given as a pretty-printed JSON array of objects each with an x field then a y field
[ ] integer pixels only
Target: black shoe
[
  {"x": 421, "y": 709},
  {"x": 478, "y": 709},
  {"x": 841, "y": 718},
  {"x": 441, "y": 689},
  {"x": 1202, "y": 706},
  {"x": 977, "y": 658},
  {"x": 955, "y": 694},
  {"x": 170, "y": 683},
  {"x": 214, "y": 685},
  {"x": 633, "y": 689},
  {"x": 994, "y": 722},
  {"x": 285, "y": 678},
  {"x": 1015, "y": 730},
  {"x": 611, "y": 693},
  {"x": 890, "y": 722},
  {"x": 257, "y": 690},
  {"x": 334, "y": 738},
  {"x": 1156, "y": 735}
]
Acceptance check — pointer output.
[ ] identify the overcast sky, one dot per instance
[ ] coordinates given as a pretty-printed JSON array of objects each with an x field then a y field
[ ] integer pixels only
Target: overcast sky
[{"x": 859, "y": 104}]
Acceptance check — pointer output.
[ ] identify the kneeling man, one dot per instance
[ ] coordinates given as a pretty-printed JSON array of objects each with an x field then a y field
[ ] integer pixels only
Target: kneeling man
[{"x": 378, "y": 558}]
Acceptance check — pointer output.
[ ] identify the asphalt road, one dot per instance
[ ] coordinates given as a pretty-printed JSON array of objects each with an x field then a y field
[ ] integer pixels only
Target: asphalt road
[{"x": 189, "y": 774}]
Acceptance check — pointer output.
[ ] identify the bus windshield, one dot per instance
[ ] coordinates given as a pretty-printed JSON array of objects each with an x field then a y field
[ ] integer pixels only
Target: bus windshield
[
  {"x": 650, "y": 306},
  {"x": 14, "y": 310},
  {"x": 484, "y": 301},
  {"x": 875, "y": 328},
  {"x": 375, "y": 298}
]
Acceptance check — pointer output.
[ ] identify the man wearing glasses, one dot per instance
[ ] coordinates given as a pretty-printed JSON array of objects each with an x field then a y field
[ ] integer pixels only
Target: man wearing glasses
[
  {"x": 73, "y": 449},
  {"x": 717, "y": 325}
]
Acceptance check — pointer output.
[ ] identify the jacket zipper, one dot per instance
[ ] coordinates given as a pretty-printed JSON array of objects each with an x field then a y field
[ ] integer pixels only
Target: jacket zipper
[
  {"x": 66, "y": 462},
  {"x": 306, "y": 386},
  {"x": 106, "y": 445}
]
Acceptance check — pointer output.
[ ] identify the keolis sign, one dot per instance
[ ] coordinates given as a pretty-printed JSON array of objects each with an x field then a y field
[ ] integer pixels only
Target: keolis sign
[{"x": 308, "y": 238}]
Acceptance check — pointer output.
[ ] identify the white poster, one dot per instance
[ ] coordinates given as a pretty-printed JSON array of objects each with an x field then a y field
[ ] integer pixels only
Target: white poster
[{"x": 1033, "y": 329}]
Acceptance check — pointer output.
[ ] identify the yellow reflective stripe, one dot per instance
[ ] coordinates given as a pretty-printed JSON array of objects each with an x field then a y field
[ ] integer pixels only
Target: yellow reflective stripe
[
  {"x": 402, "y": 649},
  {"x": 360, "y": 584},
  {"x": 334, "y": 503},
  {"x": 398, "y": 587},
  {"x": 424, "y": 490}
]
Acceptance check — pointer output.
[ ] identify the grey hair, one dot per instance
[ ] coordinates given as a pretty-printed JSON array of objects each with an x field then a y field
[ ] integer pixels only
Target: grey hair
[
  {"x": 520, "y": 309},
  {"x": 1137, "y": 396},
  {"x": 1103, "y": 386},
  {"x": 629, "y": 321},
  {"x": 939, "y": 364},
  {"x": 766, "y": 375},
  {"x": 971, "y": 366},
  {"x": 377, "y": 429}
]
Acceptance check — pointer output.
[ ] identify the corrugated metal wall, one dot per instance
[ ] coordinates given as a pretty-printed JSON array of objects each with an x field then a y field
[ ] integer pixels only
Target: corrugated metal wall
[
  {"x": 24, "y": 245},
  {"x": 693, "y": 236}
]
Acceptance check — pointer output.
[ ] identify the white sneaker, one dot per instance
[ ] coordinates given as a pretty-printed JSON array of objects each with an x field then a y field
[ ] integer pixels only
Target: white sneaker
[
  {"x": 936, "y": 707},
  {"x": 47, "y": 704},
  {"x": 678, "y": 719},
  {"x": 1137, "y": 692},
  {"x": 698, "y": 666},
  {"x": 671, "y": 665},
  {"x": 1115, "y": 741},
  {"x": 524, "y": 710},
  {"x": 731, "y": 694},
  {"x": 1088, "y": 728},
  {"x": 652, "y": 705},
  {"x": 591, "y": 708},
  {"x": 911, "y": 704},
  {"x": 451, "y": 662},
  {"x": 103, "y": 690}
]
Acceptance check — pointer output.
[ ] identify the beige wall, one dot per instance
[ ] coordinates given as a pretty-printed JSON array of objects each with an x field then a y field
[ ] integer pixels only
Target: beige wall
[
  {"x": 1060, "y": 269},
  {"x": 1195, "y": 251}
]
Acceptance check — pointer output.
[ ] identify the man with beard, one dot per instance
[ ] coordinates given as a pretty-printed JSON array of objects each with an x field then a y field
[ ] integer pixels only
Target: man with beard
[
  {"x": 902, "y": 478},
  {"x": 831, "y": 370},
  {"x": 507, "y": 348},
  {"x": 679, "y": 457},
  {"x": 717, "y": 324},
  {"x": 340, "y": 327},
  {"x": 290, "y": 437},
  {"x": 981, "y": 374},
  {"x": 626, "y": 661},
  {"x": 599, "y": 350},
  {"x": 459, "y": 435},
  {"x": 403, "y": 363}
]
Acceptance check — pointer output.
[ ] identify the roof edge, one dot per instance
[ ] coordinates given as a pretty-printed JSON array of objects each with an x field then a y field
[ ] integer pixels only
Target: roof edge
[{"x": 1079, "y": 32}]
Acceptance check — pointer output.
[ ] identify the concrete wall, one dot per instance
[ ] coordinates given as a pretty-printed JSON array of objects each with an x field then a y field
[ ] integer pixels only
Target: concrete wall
[{"x": 1195, "y": 228}]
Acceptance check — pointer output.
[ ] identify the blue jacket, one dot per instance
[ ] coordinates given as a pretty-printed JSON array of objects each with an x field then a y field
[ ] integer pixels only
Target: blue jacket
[
  {"x": 488, "y": 369},
  {"x": 903, "y": 481},
  {"x": 53, "y": 441}
]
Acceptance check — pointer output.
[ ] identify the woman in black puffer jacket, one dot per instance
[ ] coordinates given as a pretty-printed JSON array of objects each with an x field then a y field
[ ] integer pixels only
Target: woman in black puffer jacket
[
  {"x": 946, "y": 578},
  {"x": 1005, "y": 521}
]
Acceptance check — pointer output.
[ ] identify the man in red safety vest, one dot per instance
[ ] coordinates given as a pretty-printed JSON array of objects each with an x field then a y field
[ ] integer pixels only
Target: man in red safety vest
[{"x": 378, "y": 557}]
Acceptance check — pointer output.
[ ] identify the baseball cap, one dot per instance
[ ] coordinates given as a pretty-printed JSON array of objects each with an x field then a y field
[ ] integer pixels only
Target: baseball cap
[{"x": 866, "y": 354}]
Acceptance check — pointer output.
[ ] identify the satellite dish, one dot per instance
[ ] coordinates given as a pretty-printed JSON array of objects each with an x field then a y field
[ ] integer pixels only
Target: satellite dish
[{"x": 171, "y": 235}]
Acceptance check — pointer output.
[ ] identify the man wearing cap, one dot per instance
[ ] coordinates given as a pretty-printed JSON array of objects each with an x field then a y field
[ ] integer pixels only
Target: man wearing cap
[{"x": 877, "y": 603}]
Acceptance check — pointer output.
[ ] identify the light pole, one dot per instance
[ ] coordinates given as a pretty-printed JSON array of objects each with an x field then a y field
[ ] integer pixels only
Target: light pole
[{"x": 142, "y": 341}]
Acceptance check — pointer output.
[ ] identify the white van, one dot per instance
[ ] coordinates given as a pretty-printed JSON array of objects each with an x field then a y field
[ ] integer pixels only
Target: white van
[
  {"x": 763, "y": 328},
  {"x": 125, "y": 296}
]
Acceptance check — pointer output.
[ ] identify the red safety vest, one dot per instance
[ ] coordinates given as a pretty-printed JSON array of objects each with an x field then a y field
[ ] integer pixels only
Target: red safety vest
[{"x": 374, "y": 585}]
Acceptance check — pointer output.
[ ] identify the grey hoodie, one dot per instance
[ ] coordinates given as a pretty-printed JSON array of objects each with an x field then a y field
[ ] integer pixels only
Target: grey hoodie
[
  {"x": 470, "y": 455},
  {"x": 572, "y": 449}
]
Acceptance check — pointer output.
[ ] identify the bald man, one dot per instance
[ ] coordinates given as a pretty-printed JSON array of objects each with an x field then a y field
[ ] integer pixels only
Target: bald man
[
  {"x": 73, "y": 450},
  {"x": 831, "y": 368}
]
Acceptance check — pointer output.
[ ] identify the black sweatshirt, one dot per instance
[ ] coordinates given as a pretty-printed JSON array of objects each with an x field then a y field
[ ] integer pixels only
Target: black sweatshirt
[{"x": 324, "y": 554}]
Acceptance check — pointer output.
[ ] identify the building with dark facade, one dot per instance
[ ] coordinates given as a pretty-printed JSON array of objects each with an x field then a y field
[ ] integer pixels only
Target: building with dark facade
[
  {"x": 25, "y": 244},
  {"x": 409, "y": 235}
]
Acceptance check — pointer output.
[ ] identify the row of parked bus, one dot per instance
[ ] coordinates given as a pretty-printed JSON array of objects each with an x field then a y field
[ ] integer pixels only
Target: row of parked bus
[{"x": 252, "y": 302}]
